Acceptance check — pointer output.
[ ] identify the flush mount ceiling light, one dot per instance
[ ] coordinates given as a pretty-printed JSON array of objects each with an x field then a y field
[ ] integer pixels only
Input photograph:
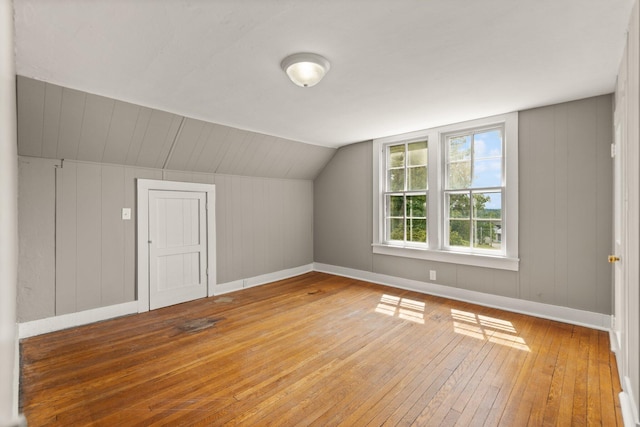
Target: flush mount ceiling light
[{"x": 305, "y": 69}]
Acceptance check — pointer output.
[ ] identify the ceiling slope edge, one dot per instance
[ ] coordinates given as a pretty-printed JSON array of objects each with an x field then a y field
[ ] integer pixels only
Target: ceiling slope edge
[{"x": 62, "y": 123}]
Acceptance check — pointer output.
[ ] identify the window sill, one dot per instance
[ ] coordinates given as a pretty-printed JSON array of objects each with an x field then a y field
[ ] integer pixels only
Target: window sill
[{"x": 476, "y": 260}]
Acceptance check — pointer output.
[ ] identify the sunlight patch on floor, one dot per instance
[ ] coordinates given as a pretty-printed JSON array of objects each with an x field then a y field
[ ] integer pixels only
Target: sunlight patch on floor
[
  {"x": 403, "y": 308},
  {"x": 482, "y": 327}
]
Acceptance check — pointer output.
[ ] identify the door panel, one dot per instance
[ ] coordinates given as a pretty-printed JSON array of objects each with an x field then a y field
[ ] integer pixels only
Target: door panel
[{"x": 177, "y": 247}]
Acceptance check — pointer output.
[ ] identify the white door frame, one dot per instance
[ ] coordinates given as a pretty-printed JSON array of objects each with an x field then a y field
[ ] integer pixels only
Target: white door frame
[
  {"x": 142, "y": 222},
  {"x": 620, "y": 209}
]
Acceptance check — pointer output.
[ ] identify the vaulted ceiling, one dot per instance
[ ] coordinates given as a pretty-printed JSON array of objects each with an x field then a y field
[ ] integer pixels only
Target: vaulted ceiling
[{"x": 397, "y": 65}]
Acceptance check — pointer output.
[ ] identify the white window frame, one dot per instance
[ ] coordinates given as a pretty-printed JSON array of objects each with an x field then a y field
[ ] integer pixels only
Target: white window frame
[{"x": 436, "y": 249}]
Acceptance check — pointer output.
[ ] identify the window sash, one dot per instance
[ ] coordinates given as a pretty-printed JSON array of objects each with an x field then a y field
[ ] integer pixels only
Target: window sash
[
  {"x": 472, "y": 158},
  {"x": 475, "y": 241},
  {"x": 400, "y": 166},
  {"x": 405, "y": 216},
  {"x": 472, "y": 154}
]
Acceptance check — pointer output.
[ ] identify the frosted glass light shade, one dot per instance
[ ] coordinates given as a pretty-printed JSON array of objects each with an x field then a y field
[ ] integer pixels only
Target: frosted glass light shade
[{"x": 305, "y": 69}]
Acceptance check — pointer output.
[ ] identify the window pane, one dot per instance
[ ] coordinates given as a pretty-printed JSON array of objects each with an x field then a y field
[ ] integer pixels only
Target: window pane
[
  {"x": 487, "y": 173},
  {"x": 396, "y": 229},
  {"x": 417, "y": 152},
  {"x": 487, "y": 235},
  {"x": 487, "y": 205},
  {"x": 416, "y": 230},
  {"x": 487, "y": 144},
  {"x": 396, "y": 180},
  {"x": 459, "y": 206},
  {"x": 396, "y": 156},
  {"x": 417, "y": 206},
  {"x": 459, "y": 148},
  {"x": 459, "y": 175},
  {"x": 417, "y": 177},
  {"x": 395, "y": 206},
  {"x": 459, "y": 232}
]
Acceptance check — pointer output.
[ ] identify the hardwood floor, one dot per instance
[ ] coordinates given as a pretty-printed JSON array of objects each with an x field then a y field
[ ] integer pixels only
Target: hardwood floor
[{"x": 321, "y": 350}]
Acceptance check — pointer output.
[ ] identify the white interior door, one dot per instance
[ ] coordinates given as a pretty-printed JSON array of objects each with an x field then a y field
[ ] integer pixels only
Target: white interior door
[{"x": 177, "y": 247}]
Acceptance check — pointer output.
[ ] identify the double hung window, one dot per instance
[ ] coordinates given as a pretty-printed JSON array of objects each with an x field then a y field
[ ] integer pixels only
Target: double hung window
[{"x": 449, "y": 194}]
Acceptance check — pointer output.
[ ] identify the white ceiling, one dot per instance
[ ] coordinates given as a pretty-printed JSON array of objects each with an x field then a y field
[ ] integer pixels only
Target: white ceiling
[{"x": 396, "y": 65}]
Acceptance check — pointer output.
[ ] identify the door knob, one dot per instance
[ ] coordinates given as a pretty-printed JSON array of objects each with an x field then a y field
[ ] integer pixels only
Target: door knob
[{"x": 613, "y": 258}]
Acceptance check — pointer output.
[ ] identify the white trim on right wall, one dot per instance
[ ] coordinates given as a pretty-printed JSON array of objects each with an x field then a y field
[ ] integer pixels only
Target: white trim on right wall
[
  {"x": 627, "y": 290},
  {"x": 546, "y": 311}
]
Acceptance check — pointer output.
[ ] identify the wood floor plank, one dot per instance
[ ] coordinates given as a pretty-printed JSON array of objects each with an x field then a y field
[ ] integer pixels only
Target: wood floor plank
[
  {"x": 545, "y": 368},
  {"x": 554, "y": 395},
  {"x": 401, "y": 375},
  {"x": 423, "y": 385},
  {"x": 594, "y": 411},
  {"x": 512, "y": 396},
  {"x": 613, "y": 366},
  {"x": 439, "y": 407},
  {"x": 321, "y": 350},
  {"x": 579, "y": 414},
  {"x": 479, "y": 386}
]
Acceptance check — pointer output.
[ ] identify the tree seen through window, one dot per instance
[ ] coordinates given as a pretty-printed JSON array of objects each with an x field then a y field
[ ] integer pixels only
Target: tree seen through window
[
  {"x": 406, "y": 192},
  {"x": 474, "y": 173}
]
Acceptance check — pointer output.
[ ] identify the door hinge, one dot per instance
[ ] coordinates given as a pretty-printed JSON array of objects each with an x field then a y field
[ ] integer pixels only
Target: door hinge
[{"x": 613, "y": 150}]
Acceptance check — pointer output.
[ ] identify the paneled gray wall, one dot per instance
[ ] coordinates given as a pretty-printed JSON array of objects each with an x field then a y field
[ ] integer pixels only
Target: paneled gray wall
[
  {"x": 263, "y": 224},
  {"x": 565, "y": 173},
  {"x": 566, "y": 202},
  {"x": 95, "y": 248},
  {"x": 61, "y": 123},
  {"x": 71, "y": 230},
  {"x": 75, "y": 251},
  {"x": 36, "y": 231}
]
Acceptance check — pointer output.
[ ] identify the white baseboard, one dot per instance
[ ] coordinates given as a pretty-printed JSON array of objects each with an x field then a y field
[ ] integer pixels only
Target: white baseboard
[
  {"x": 57, "y": 323},
  {"x": 545, "y": 311},
  {"x": 629, "y": 412},
  {"x": 225, "y": 288},
  {"x": 632, "y": 409},
  {"x": 236, "y": 285},
  {"x": 65, "y": 321},
  {"x": 614, "y": 341}
]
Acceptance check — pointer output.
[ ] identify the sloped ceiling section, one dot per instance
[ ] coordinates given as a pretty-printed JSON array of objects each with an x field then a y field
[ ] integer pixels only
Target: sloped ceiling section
[{"x": 61, "y": 123}]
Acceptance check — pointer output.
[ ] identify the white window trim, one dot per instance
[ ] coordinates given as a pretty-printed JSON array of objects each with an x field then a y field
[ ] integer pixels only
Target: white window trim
[{"x": 437, "y": 251}]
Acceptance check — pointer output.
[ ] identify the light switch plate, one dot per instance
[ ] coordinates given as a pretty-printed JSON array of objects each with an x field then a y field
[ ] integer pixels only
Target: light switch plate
[{"x": 126, "y": 213}]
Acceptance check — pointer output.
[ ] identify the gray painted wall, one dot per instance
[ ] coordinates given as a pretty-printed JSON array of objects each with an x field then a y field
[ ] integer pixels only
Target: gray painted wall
[
  {"x": 36, "y": 230},
  {"x": 70, "y": 230},
  {"x": 565, "y": 173},
  {"x": 61, "y": 123},
  {"x": 75, "y": 251}
]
